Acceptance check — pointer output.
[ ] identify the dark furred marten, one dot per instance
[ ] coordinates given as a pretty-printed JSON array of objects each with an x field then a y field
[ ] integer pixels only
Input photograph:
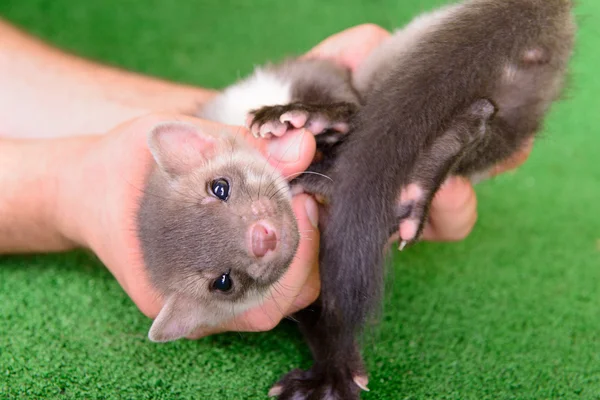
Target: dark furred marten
[{"x": 456, "y": 91}]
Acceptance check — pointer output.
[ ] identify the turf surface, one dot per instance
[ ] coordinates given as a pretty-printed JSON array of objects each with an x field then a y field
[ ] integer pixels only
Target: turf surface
[{"x": 510, "y": 313}]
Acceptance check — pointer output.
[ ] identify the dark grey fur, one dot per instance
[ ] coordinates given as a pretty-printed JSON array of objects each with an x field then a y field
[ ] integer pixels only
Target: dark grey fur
[
  {"x": 443, "y": 106},
  {"x": 318, "y": 81}
]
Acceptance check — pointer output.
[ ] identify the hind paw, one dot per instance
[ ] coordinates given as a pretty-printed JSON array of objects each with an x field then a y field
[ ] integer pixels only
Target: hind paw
[
  {"x": 305, "y": 385},
  {"x": 412, "y": 212},
  {"x": 464, "y": 135},
  {"x": 277, "y": 120}
]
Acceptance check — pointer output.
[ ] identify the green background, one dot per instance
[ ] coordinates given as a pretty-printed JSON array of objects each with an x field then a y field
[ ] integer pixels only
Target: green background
[{"x": 513, "y": 312}]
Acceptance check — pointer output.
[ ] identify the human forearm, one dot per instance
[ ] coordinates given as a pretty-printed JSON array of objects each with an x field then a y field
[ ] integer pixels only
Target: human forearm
[
  {"x": 68, "y": 95},
  {"x": 30, "y": 181}
]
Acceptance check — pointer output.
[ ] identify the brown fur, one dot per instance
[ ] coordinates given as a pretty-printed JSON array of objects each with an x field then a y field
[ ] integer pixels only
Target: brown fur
[{"x": 189, "y": 238}]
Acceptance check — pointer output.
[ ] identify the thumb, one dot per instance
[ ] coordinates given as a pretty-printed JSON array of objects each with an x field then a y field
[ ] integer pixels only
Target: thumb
[{"x": 291, "y": 153}]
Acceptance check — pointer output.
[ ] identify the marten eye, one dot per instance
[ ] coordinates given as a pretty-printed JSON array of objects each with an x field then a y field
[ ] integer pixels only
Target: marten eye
[
  {"x": 220, "y": 188},
  {"x": 223, "y": 284}
]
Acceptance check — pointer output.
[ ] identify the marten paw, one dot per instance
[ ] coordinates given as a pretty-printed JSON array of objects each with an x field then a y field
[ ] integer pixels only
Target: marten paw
[
  {"x": 304, "y": 385},
  {"x": 412, "y": 211},
  {"x": 464, "y": 135},
  {"x": 277, "y": 120}
]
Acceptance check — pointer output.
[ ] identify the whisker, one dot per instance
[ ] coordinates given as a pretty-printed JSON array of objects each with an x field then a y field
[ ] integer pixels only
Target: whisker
[
  {"x": 278, "y": 180},
  {"x": 290, "y": 317},
  {"x": 276, "y": 303},
  {"x": 300, "y": 173},
  {"x": 309, "y": 172},
  {"x": 276, "y": 193},
  {"x": 234, "y": 319},
  {"x": 262, "y": 307},
  {"x": 289, "y": 287}
]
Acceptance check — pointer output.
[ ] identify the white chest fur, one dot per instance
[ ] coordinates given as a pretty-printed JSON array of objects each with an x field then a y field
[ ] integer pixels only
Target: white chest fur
[{"x": 262, "y": 88}]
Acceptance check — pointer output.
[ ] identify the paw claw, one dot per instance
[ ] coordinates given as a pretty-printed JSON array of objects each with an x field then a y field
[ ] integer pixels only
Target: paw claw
[
  {"x": 278, "y": 128},
  {"x": 402, "y": 245},
  {"x": 275, "y": 391},
  {"x": 255, "y": 129},
  {"x": 266, "y": 129},
  {"x": 362, "y": 382},
  {"x": 303, "y": 385},
  {"x": 286, "y": 117}
]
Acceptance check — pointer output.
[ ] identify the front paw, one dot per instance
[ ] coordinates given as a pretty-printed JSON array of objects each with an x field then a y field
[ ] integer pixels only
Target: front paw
[
  {"x": 315, "y": 385},
  {"x": 277, "y": 120}
]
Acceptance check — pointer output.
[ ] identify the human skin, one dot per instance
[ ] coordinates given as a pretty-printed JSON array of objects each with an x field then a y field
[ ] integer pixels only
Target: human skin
[{"x": 75, "y": 181}]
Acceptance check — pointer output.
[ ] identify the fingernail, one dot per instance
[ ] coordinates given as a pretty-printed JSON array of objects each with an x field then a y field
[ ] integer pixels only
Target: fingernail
[
  {"x": 312, "y": 211},
  {"x": 287, "y": 148}
]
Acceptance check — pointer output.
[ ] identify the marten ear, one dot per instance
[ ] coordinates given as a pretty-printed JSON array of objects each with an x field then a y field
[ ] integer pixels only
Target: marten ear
[
  {"x": 178, "y": 318},
  {"x": 180, "y": 147}
]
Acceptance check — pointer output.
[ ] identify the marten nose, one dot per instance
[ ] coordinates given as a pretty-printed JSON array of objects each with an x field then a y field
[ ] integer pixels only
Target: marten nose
[{"x": 263, "y": 239}]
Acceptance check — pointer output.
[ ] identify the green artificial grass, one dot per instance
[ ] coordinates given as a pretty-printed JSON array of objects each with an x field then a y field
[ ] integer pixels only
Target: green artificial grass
[{"x": 513, "y": 312}]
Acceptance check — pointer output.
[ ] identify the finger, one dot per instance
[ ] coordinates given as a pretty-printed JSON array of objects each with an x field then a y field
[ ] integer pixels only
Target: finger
[
  {"x": 453, "y": 211},
  {"x": 306, "y": 259},
  {"x": 351, "y": 46},
  {"x": 291, "y": 153},
  {"x": 309, "y": 293},
  {"x": 298, "y": 288}
]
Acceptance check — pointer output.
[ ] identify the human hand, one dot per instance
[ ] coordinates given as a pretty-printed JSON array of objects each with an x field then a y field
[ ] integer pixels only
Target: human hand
[{"x": 350, "y": 47}]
